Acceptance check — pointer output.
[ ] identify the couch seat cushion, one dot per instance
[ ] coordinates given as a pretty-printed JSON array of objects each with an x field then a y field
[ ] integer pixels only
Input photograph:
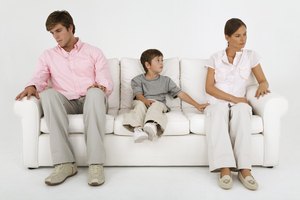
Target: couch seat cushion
[
  {"x": 76, "y": 124},
  {"x": 197, "y": 121},
  {"x": 177, "y": 124}
]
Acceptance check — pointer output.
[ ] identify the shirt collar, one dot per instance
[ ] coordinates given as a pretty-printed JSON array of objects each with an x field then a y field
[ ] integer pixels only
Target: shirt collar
[
  {"x": 237, "y": 55},
  {"x": 77, "y": 46}
]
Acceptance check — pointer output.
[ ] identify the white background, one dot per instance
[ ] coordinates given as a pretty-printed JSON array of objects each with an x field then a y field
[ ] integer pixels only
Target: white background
[
  {"x": 179, "y": 28},
  {"x": 125, "y": 28}
]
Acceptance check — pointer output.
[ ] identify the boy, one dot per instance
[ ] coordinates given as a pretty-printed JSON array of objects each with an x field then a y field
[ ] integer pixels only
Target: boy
[{"x": 148, "y": 119}]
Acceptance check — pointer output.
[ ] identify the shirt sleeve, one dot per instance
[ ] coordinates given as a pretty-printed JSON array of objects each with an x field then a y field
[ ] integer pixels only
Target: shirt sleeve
[
  {"x": 210, "y": 63},
  {"x": 254, "y": 59},
  {"x": 136, "y": 85},
  {"x": 41, "y": 75},
  {"x": 173, "y": 88},
  {"x": 102, "y": 72}
]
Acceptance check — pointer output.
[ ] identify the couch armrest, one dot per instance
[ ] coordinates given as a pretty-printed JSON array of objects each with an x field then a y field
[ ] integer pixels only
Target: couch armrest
[
  {"x": 30, "y": 112},
  {"x": 271, "y": 108}
]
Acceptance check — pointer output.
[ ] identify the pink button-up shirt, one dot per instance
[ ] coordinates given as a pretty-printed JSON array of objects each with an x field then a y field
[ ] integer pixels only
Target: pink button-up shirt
[
  {"x": 232, "y": 78},
  {"x": 71, "y": 73}
]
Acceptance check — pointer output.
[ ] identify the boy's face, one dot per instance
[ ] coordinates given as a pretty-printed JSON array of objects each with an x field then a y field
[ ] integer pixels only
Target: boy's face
[{"x": 156, "y": 65}]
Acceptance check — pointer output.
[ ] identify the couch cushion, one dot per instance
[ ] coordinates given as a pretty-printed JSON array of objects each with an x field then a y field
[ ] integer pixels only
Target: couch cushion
[
  {"x": 76, "y": 124},
  {"x": 197, "y": 121},
  {"x": 114, "y": 97},
  {"x": 193, "y": 77},
  {"x": 132, "y": 67},
  {"x": 177, "y": 124}
]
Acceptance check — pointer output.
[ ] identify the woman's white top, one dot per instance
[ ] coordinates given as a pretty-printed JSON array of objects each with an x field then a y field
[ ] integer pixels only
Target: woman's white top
[{"x": 232, "y": 78}]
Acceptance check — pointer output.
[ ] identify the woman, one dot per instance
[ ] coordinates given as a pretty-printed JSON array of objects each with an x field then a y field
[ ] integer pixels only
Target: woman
[{"x": 229, "y": 113}]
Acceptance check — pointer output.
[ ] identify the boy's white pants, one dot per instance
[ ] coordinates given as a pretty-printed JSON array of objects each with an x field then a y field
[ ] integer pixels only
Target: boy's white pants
[
  {"x": 228, "y": 135},
  {"x": 140, "y": 115}
]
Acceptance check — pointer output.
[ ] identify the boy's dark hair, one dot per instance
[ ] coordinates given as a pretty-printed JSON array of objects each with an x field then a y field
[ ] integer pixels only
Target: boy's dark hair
[
  {"x": 60, "y": 17},
  {"x": 148, "y": 55},
  {"x": 233, "y": 25}
]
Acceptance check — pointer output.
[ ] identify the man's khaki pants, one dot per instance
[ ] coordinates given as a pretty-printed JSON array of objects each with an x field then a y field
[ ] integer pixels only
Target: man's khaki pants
[
  {"x": 140, "y": 115},
  {"x": 228, "y": 136},
  {"x": 56, "y": 107}
]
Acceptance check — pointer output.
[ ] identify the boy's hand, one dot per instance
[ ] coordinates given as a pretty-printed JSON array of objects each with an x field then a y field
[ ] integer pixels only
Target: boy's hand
[
  {"x": 201, "y": 107},
  {"x": 148, "y": 102}
]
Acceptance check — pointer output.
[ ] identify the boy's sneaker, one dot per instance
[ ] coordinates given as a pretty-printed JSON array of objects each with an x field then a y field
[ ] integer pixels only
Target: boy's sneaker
[
  {"x": 139, "y": 135},
  {"x": 151, "y": 129}
]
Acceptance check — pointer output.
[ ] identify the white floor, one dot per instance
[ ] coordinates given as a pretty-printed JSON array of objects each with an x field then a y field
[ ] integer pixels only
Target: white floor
[{"x": 155, "y": 183}]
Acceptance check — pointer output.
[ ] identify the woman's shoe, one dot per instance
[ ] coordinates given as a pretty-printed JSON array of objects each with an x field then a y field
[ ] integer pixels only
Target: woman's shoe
[
  {"x": 225, "y": 182},
  {"x": 249, "y": 182}
]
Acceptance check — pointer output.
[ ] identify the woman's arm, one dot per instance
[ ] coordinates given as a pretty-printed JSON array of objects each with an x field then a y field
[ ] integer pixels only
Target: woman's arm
[
  {"x": 217, "y": 93},
  {"x": 262, "y": 81}
]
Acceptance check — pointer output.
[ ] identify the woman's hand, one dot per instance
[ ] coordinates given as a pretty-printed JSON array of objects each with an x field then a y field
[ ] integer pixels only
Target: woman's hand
[
  {"x": 201, "y": 107},
  {"x": 239, "y": 100},
  {"x": 262, "y": 89}
]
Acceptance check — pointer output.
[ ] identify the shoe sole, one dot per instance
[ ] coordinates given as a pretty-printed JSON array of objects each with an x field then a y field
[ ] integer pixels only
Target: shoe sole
[
  {"x": 53, "y": 184},
  {"x": 141, "y": 139},
  {"x": 225, "y": 187},
  {"x": 96, "y": 184}
]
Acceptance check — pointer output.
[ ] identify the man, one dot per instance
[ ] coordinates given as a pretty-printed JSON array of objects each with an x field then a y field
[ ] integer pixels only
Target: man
[{"x": 80, "y": 82}]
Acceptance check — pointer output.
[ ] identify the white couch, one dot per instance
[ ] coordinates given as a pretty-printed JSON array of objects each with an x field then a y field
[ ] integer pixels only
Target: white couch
[{"x": 183, "y": 143}]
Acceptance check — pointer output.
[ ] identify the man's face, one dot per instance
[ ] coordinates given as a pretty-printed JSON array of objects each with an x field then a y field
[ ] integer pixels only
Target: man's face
[{"x": 62, "y": 35}]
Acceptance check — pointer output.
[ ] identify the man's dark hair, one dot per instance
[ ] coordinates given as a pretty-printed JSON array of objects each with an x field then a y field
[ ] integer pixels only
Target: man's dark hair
[
  {"x": 148, "y": 55},
  {"x": 60, "y": 17},
  {"x": 233, "y": 25}
]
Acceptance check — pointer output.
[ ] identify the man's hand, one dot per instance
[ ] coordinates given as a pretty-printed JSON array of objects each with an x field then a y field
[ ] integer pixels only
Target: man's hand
[
  {"x": 101, "y": 87},
  {"x": 28, "y": 91}
]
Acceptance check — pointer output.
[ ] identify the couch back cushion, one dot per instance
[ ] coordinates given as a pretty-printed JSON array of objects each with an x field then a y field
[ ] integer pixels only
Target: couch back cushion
[
  {"x": 131, "y": 67},
  {"x": 193, "y": 77},
  {"x": 252, "y": 80},
  {"x": 114, "y": 98}
]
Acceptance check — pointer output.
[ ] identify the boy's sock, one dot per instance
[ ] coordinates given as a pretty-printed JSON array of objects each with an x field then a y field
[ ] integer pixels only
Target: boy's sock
[
  {"x": 151, "y": 129},
  {"x": 139, "y": 135}
]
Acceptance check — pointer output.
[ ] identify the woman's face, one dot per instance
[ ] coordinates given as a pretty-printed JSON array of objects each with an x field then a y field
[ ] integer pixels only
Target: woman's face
[{"x": 238, "y": 39}]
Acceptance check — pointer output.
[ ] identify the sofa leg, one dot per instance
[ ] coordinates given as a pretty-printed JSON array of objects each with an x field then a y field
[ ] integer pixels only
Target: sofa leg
[
  {"x": 270, "y": 167},
  {"x": 31, "y": 168}
]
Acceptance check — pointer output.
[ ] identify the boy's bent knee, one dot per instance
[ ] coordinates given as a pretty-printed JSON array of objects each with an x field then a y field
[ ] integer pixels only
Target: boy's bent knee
[{"x": 138, "y": 103}]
